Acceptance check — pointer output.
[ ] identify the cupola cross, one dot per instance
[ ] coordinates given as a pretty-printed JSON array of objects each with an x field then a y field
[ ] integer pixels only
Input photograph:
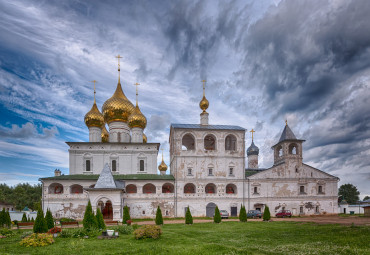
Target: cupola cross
[
  {"x": 119, "y": 67},
  {"x": 94, "y": 81},
  {"x": 252, "y": 131},
  {"x": 204, "y": 87},
  {"x": 137, "y": 94}
]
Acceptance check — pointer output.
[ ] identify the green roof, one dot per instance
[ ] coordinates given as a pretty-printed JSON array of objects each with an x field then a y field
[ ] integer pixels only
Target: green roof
[
  {"x": 116, "y": 177},
  {"x": 251, "y": 171}
]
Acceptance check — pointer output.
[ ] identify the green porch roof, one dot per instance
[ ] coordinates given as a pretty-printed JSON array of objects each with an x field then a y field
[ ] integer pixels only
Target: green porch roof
[{"x": 116, "y": 177}]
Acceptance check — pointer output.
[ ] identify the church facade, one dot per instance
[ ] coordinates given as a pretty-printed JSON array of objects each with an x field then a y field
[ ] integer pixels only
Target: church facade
[{"x": 208, "y": 168}]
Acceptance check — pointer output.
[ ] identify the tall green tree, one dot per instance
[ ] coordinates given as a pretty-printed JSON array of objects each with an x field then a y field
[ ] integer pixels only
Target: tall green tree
[
  {"x": 126, "y": 215},
  {"x": 366, "y": 198},
  {"x": 217, "y": 216},
  {"x": 349, "y": 193},
  {"x": 266, "y": 214},
  {"x": 21, "y": 195},
  {"x": 49, "y": 219},
  {"x": 40, "y": 225},
  {"x": 100, "y": 219},
  {"x": 188, "y": 217},
  {"x": 89, "y": 221},
  {"x": 158, "y": 217},
  {"x": 24, "y": 217},
  {"x": 242, "y": 214}
]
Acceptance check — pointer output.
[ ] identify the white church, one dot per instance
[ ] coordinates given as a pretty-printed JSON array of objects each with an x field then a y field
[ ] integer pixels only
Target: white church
[{"x": 117, "y": 167}]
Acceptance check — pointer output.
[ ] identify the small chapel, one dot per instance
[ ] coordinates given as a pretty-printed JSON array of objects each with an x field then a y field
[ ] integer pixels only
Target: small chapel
[{"x": 209, "y": 166}]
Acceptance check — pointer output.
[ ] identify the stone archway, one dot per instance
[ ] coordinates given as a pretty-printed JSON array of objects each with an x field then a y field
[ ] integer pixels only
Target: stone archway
[
  {"x": 106, "y": 208},
  {"x": 210, "y": 209}
]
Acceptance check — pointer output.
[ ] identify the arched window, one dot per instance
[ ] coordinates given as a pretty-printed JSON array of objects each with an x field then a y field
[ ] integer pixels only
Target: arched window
[
  {"x": 76, "y": 189},
  {"x": 188, "y": 142},
  {"x": 279, "y": 150},
  {"x": 88, "y": 165},
  {"x": 255, "y": 190},
  {"x": 131, "y": 188},
  {"x": 230, "y": 143},
  {"x": 293, "y": 148},
  {"x": 230, "y": 189},
  {"x": 56, "y": 188},
  {"x": 210, "y": 188},
  {"x": 149, "y": 189},
  {"x": 189, "y": 188},
  {"x": 167, "y": 188},
  {"x": 142, "y": 165},
  {"x": 210, "y": 142}
]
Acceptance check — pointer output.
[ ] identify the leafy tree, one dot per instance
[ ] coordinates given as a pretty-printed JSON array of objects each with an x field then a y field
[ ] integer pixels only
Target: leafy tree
[
  {"x": 21, "y": 195},
  {"x": 217, "y": 217},
  {"x": 8, "y": 220},
  {"x": 2, "y": 218},
  {"x": 89, "y": 221},
  {"x": 24, "y": 217},
  {"x": 99, "y": 219},
  {"x": 40, "y": 225},
  {"x": 188, "y": 217},
  {"x": 158, "y": 217},
  {"x": 49, "y": 219},
  {"x": 242, "y": 214},
  {"x": 126, "y": 215},
  {"x": 366, "y": 198},
  {"x": 349, "y": 193},
  {"x": 266, "y": 214}
]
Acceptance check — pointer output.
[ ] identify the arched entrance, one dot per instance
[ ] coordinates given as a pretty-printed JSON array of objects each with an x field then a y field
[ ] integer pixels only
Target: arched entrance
[
  {"x": 210, "y": 209},
  {"x": 106, "y": 209}
]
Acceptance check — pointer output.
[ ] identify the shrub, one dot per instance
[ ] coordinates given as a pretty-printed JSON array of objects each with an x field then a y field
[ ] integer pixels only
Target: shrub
[
  {"x": 148, "y": 231},
  {"x": 89, "y": 221},
  {"x": 242, "y": 214},
  {"x": 8, "y": 221},
  {"x": 99, "y": 219},
  {"x": 266, "y": 214},
  {"x": 158, "y": 217},
  {"x": 217, "y": 217},
  {"x": 79, "y": 233},
  {"x": 28, "y": 219},
  {"x": 55, "y": 230},
  {"x": 40, "y": 223},
  {"x": 36, "y": 240},
  {"x": 135, "y": 226},
  {"x": 126, "y": 215},
  {"x": 128, "y": 222},
  {"x": 66, "y": 220},
  {"x": 6, "y": 232},
  {"x": 2, "y": 218},
  {"x": 188, "y": 217},
  {"x": 49, "y": 219},
  {"x": 24, "y": 217},
  {"x": 124, "y": 229}
]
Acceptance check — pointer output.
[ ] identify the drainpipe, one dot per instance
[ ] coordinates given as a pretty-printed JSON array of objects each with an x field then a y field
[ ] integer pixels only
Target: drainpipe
[{"x": 249, "y": 200}]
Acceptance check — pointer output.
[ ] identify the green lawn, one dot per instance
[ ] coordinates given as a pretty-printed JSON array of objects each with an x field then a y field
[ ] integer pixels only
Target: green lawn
[{"x": 225, "y": 238}]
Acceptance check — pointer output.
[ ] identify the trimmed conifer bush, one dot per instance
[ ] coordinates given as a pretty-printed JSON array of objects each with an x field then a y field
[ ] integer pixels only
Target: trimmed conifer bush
[
  {"x": 89, "y": 221},
  {"x": 266, "y": 214},
  {"x": 40, "y": 222},
  {"x": 158, "y": 217},
  {"x": 126, "y": 215},
  {"x": 188, "y": 217},
  {"x": 49, "y": 219},
  {"x": 242, "y": 214},
  {"x": 99, "y": 219},
  {"x": 217, "y": 217},
  {"x": 2, "y": 218},
  {"x": 8, "y": 220},
  {"x": 28, "y": 219},
  {"x": 24, "y": 217}
]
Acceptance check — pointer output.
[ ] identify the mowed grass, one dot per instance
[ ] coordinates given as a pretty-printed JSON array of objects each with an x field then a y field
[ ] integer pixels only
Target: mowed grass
[{"x": 224, "y": 238}]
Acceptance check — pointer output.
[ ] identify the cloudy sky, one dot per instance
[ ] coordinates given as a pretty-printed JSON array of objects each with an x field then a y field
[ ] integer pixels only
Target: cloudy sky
[{"x": 264, "y": 62}]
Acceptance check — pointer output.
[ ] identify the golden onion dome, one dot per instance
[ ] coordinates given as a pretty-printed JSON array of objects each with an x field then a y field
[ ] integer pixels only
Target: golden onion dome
[
  {"x": 104, "y": 134},
  {"x": 145, "y": 139},
  {"x": 94, "y": 118},
  {"x": 118, "y": 107},
  {"x": 137, "y": 119},
  {"x": 204, "y": 104},
  {"x": 162, "y": 166}
]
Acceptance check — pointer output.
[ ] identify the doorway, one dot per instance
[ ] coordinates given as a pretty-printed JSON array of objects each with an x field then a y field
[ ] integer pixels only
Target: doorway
[
  {"x": 234, "y": 211},
  {"x": 210, "y": 210}
]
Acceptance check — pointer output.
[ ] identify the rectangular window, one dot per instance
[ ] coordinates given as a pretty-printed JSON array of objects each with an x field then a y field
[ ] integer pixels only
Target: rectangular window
[
  {"x": 114, "y": 165},
  {"x": 190, "y": 171},
  {"x": 301, "y": 209},
  {"x": 255, "y": 191},
  {"x": 320, "y": 189},
  {"x": 87, "y": 165},
  {"x": 210, "y": 171},
  {"x": 231, "y": 171},
  {"x": 142, "y": 165},
  {"x": 301, "y": 189}
]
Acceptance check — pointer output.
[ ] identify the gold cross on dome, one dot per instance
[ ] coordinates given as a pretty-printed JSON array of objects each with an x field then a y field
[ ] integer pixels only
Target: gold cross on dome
[
  {"x": 94, "y": 81},
  {"x": 136, "y": 84},
  {"x": 162, "y": 152},
  {"x": 204, "y": 86},
  {"x": 252, "y": 131},
  {"x": 118, "y": 57}
]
